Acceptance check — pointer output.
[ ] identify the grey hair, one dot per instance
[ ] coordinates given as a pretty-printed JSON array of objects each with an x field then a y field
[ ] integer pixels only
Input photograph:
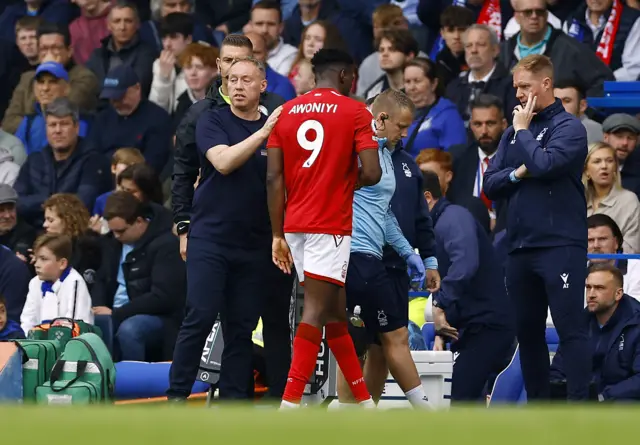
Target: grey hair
[
  {"x": 255, "y": 62},
  {"x": 62, "y": 107},
  {"x": 493, "y": 36},
  {"x": 156, "y": 7}
]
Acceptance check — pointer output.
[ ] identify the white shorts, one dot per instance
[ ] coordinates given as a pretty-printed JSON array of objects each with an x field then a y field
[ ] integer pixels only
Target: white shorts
[{"x": 320, "y": 256}]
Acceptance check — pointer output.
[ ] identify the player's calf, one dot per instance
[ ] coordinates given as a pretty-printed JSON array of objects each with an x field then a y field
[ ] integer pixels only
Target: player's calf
[{"x": 395, "y": 345}]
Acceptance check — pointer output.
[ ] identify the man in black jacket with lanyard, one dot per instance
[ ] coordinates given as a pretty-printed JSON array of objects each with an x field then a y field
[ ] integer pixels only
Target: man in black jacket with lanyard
[{"x": 189, "y": 163}]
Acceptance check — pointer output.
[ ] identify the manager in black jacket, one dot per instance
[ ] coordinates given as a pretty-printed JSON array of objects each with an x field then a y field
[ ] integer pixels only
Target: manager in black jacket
[
  {"x": 142, "y": 281},
  {"x": 538, "y": 169}
]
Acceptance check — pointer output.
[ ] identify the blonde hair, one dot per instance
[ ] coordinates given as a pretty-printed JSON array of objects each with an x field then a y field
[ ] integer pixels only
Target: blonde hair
[
  {"x": 589, "y": 189},
  {"x": 128, "y": 156},
  {"x": 535, "y": 63}
]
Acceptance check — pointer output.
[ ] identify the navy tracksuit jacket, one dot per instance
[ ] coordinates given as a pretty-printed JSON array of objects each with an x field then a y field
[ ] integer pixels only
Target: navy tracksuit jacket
[
  {"x": 547, "y": 242},
  {"x": 411, "y": 211},
  {"x": 615, "y": 353},
  {"x": 474, "y": 299}
]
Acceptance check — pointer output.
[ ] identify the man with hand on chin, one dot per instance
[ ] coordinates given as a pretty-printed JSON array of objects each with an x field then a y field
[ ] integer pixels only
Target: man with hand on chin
[{"x": 537, "y": 170}]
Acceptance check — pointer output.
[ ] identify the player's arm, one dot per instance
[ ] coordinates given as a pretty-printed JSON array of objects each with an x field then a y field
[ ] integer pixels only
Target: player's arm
[
  {"x": 367, "y": 148},
  {"x": 276, "y": 190}
]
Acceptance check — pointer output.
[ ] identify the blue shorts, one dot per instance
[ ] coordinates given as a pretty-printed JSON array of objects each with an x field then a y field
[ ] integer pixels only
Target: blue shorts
[{"x": 368, "y": 285}]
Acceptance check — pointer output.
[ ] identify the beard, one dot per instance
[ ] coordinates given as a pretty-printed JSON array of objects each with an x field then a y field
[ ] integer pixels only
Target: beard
[{"x": 489, "y": 147}]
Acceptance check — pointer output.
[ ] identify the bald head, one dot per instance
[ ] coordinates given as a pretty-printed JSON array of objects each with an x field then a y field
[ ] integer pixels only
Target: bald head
[{"x": 259, "y": 46}]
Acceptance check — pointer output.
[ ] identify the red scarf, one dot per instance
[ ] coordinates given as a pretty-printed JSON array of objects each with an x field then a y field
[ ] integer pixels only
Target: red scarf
[
  {"x": 491, "y": 15},
  {"x": 605, "y": 47}
]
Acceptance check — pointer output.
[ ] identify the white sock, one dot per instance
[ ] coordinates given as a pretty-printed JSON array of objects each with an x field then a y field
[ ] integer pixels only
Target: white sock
[
  {"x": 418, "y": 398},
  {"x": 284, "y": 405},
  {"x": 343, "y": 405},
  {"x": 368, "y": 404}
]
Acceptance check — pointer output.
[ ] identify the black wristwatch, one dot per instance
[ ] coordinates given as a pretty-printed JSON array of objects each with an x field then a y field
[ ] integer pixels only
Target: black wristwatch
[{"x": 182, "y": 227}]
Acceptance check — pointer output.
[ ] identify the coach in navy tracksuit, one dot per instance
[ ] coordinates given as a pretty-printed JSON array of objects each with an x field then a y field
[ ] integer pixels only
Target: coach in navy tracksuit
[
  {"x": 613, "y": 320},
  {"x": 229, "y": 266},
  {"x": 472, "y": 296},
  {"x": 412, "y": 213},
  {"x": 538, "y": 169}
]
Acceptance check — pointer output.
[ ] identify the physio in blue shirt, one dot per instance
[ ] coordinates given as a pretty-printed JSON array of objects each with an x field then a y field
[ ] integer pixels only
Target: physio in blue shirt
[{"x": 368, "y": 285}]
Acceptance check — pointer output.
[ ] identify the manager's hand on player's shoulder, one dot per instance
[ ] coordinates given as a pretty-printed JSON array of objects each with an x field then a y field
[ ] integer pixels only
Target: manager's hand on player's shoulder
[{"x": 271, "y": 122}]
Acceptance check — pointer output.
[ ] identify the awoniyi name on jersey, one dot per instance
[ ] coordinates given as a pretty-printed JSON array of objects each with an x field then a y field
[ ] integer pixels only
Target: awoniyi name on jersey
[{"x": 314, "y": 108}]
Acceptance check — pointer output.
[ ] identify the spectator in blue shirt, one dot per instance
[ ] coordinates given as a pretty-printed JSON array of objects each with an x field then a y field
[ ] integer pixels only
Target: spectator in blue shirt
[
  {"x": 437, "y": 123},
  {"x": 276, "y": 83},
  {"x": 50, "y": 82}
]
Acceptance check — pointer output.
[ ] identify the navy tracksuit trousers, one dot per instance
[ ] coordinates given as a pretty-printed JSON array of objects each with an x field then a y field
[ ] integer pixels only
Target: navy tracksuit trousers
[
  {"x": 240, "y": 285},
  {"x": 551, "y": 277}
]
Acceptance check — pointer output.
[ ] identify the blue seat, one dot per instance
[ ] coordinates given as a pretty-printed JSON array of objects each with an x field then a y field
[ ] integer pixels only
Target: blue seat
[
  {"x": 509, "y": 385},
  {"x": 139, "y": 380},
  {"x": 552, "y": 339},
  {"x": 429, "y": 334}
]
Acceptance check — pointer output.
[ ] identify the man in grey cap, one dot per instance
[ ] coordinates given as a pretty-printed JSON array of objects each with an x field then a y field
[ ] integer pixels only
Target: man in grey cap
[
  {"x": 621, "y": 132},
  {"x": 16, "y": 234}
]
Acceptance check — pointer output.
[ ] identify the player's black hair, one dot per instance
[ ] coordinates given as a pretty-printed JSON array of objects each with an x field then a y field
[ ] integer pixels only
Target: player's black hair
[
  {"x": 330, "y": 58},
  {"x": 600, "y": 220},
  {"x": 431, "y": 184}
]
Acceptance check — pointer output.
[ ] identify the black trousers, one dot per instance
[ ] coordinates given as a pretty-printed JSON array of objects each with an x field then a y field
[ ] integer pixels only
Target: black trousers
[
  {"x": 480, "y": 353},
  {"x": 550, "y": 277},
  {"x": 239, "y": 285}
]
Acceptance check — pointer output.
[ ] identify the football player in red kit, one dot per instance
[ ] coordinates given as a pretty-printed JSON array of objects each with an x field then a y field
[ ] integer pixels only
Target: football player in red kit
[{"x": 313, "y": 155}]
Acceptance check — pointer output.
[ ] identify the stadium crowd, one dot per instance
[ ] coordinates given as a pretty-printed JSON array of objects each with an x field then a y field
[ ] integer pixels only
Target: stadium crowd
[{"x": 99, "y": 104}]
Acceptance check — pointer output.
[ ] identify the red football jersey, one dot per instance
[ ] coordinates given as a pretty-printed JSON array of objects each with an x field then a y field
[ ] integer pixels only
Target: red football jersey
[{"x": 320, "y": 134}]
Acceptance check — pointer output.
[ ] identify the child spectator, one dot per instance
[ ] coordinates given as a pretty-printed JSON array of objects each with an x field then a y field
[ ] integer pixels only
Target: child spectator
[
  {"x": 304, "y": 81},
  {"x": 9, "y": 329},
  {"x": 51, "y": 82},
  {"x": 27, "y": 39},
  {"x": 88, "y": 30},
  {"x": 198, "y": 62},
  {"x": 51, "y": 11},
  {"x": 122, "y": 158},
  {"x": 142, "y": 182},
  {"x": 65, "y": 214},
  {"x": 58, "y": 290},
  {"x": 176, "y": 31}
]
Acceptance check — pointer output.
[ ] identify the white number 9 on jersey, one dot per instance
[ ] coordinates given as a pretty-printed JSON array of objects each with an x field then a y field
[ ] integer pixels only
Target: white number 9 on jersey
[{"x": 313, "y": 146}]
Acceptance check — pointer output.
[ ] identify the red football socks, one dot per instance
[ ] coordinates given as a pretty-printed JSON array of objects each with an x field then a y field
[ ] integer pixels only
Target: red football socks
[
  {"x": 343, "y": 350},
  {"x": 306, "y": 346}
]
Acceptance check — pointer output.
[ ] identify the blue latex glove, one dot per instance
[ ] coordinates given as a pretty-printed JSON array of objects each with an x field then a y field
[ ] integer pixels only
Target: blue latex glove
[{"x": 415, "y": 268}]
